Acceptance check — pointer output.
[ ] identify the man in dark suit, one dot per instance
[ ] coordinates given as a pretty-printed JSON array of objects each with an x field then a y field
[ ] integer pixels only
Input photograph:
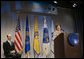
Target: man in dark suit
[{"x": 9, "y": 49}]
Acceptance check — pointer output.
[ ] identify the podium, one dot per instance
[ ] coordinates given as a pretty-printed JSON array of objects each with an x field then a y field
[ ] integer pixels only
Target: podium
[{"x": 62, "y": 48}]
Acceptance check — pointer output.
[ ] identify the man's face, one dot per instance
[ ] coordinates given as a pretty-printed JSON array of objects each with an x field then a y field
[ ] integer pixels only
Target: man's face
[
  {"x": 9, "y": 37},
  {"x": 58, "y": 28}
]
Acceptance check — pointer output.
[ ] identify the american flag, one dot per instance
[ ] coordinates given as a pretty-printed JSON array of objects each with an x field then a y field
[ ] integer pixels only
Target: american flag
[{"x": 18, "y": 39}]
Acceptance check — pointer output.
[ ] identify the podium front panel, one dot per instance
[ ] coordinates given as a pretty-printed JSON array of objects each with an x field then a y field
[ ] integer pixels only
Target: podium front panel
[{"x": 59, "y": 46}]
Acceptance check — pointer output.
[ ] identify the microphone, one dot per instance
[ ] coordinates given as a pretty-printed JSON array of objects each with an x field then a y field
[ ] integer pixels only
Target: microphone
[{"x": 62, "y": 29}]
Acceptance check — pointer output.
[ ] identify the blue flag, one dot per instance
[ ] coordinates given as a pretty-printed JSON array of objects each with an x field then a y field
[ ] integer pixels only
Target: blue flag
[
  {"x": 45, "y": 33},
  {"x": 45, "y": 36},
  {"x": 27, "y": 40},
  {"x": 46, "y": 43}
]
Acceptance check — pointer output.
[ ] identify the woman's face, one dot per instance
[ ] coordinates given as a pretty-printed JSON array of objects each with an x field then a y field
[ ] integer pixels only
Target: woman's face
[{"x": 58, "y": 28}]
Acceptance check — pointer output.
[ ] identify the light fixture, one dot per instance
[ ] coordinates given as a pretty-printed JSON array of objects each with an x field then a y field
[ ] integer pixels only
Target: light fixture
[
  {"x": 55, "y": 2},
  {"x": 74, "y": 5}
]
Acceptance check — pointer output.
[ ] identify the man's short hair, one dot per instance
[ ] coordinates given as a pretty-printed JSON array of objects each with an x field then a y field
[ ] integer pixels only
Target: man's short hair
[{"x": 8, "y": 35}]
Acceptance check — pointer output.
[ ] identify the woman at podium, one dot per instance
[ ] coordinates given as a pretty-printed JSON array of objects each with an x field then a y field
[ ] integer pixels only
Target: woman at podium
[
  {"x": 57, "y": 31},
  {"x": 57, "y": 38}
]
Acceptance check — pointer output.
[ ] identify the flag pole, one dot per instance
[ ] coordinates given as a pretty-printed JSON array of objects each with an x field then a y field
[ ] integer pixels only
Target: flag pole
[
  {"x": 34, "y": 54},
  {"x": 28, "y": 55}
]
